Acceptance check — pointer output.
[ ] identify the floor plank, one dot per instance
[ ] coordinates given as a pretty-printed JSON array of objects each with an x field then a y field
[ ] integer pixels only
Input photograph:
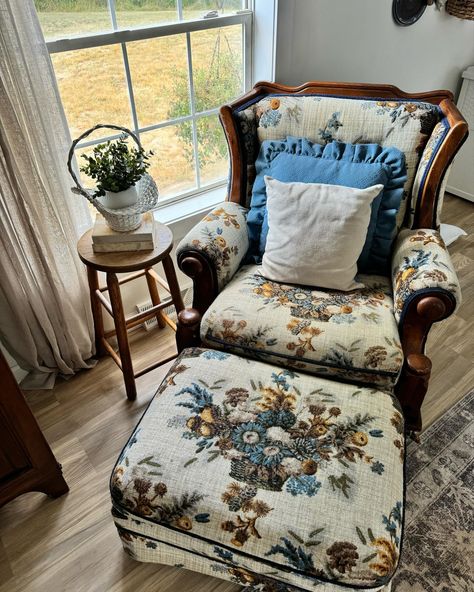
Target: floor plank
[{"x": 71, "y": 544}]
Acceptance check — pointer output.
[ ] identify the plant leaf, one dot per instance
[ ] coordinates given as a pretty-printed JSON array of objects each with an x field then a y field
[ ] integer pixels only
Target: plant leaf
[
  {"x": 295, "y": 536},
  {"x": 361, "y": 536},
  {"x": 315, "y": 532},
  {"x": 201, "y": 518},
  {"x": 190, "y": 461}
]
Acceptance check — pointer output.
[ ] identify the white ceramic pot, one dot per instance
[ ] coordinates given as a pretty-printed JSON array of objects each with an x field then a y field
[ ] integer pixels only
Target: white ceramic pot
[{"x": 120, "y": 199}]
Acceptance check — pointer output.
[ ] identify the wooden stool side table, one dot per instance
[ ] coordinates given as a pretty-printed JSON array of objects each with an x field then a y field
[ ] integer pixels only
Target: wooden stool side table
[{"x": 139, "y": 263}]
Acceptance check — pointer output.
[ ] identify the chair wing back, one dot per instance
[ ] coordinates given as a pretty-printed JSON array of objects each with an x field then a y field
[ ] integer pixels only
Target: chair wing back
[{"x": 427, "y": 128}]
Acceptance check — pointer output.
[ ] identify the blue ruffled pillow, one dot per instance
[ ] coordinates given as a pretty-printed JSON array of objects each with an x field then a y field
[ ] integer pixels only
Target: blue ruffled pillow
[{"x": 337, "y": 163}]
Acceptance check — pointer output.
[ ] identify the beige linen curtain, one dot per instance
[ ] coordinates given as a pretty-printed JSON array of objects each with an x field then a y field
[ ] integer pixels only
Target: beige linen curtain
[{"x": 45, "y": 319}]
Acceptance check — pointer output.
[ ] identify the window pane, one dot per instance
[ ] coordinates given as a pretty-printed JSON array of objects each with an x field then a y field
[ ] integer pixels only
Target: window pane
[
  {"x": 212, "y": 150},
  {"x": 196, "y": 8},
  {"x": 217, "y": 66},
  {"x": 85, "y": 180},
  {"x": 159, "y": 71},
  {"x": 66, "y": 18},
  {"x": 92, "y": 86},
  {"x": 138, "y": 13},
  {"x": 172, "y": 165}
]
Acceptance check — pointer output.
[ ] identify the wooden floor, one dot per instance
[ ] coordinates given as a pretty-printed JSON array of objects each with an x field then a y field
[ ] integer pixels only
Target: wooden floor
[{"x": 70, "y": 544}]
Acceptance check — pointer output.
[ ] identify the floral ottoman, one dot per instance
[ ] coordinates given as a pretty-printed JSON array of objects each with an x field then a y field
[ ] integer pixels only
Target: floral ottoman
[{"x": 275, "y": 480}]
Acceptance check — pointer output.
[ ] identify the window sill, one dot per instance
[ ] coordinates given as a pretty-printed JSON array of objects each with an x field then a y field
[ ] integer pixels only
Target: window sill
[{"x": 186, "y": 209}]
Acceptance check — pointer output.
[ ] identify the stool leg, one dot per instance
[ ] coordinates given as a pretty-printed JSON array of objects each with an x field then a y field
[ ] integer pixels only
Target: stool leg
[
  {"x": 175, "y": 290},
  {"x": 93, "y": 279},
  {"x": 122, "y": 338},
  {"x": 155, "y": 297}
]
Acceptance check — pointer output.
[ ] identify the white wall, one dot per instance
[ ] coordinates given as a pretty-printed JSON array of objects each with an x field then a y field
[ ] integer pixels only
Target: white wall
[{"x": 357, "y": 41}]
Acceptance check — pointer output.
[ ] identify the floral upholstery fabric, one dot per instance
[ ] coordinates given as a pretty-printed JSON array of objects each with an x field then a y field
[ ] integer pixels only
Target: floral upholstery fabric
[
  {"x": 149, "y": 550},
  {"x": 264, "y": 476},
  {"x": 431, "y": 149},
  {"x": 351, "y": 335},
  {"x": 421, "y": 262},
  {"x": 406, "y": 125},
  {"x": 222, "y": 237},
  {"x": 248, "y": 131}
]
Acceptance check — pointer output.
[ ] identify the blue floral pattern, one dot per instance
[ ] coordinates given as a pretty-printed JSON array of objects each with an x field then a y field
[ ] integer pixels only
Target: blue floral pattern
[
  {"x": 421, "y": 262},
  {"x": 222, "y": 237},
  {"x": 327, "y": 134},
  {"x": 406, "y": 125},
  {"x": 432, "y": 147},
  {"x": 245, "y": 457},
  {"x": 343, "y": 557},
  {"x": 248, "y": 131},
  {"x": 320, "y": 331},
  {"x": 266, "y": 443}
]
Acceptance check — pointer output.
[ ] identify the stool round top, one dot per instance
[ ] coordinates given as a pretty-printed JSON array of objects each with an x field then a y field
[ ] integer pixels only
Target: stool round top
[{"x": 124, "y": 261}]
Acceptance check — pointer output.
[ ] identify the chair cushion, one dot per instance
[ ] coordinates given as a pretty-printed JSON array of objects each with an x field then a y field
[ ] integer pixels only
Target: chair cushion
[
  {"x": 404, "y": 124},
  {"x": 256, "y": 471},
  {"x": 351, "y": 335},
  {"x": 350, "y": 165}
]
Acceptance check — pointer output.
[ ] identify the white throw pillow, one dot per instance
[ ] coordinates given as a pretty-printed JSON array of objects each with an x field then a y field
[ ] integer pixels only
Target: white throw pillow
[{"x": 316, "y": 233}]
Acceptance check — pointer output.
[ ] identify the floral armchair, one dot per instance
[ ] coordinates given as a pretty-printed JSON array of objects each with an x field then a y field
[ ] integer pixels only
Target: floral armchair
[{"x": 371, "y": 336}]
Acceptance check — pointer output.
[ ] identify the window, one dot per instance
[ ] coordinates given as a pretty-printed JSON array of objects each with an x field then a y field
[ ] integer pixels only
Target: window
[{"x": 158, "y": 68}]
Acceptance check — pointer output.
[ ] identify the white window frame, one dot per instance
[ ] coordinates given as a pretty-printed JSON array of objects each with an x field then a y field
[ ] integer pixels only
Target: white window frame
[{"x": 118, "y": 36}]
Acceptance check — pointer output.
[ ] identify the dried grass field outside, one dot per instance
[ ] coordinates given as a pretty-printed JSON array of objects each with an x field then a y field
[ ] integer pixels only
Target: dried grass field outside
[{"x": 93, "y": 88}]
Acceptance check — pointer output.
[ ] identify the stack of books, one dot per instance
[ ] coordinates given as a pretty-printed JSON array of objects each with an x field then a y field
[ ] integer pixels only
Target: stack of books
[{"x": 106, "y": 240}]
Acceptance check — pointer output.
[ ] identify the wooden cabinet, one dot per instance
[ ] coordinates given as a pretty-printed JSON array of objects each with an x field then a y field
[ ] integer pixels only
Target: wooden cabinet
[{"x": 26, "y": 460}]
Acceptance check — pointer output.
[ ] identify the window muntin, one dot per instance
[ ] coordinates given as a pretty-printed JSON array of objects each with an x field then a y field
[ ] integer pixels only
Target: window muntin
[{"x": 164, "y": 81}]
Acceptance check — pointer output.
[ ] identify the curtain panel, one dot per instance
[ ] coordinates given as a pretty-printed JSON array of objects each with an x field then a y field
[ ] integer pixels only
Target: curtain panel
[{"x": 45, "y": 318}]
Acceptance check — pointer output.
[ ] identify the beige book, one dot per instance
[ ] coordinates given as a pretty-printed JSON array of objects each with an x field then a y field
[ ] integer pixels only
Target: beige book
[
  {"x": 103, "y": 234},
  {"x": 127, "y": 246}
]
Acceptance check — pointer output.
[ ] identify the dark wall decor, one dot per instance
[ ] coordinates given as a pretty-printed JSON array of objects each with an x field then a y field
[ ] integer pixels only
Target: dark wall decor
[{"x": 407, "y": 12}]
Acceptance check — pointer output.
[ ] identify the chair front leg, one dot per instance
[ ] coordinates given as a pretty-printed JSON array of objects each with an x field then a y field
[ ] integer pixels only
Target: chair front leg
[
  {"x": 421, "y": 313},
  {"x": 205, "y": 289},
  {"x": 188, "y": 329}
]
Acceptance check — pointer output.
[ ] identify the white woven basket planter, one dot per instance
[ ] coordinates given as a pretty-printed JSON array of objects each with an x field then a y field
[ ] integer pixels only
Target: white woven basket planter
[{"x": 123, "y": 219}]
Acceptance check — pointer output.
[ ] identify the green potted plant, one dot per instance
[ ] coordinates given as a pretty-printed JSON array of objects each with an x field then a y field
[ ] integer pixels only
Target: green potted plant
[{"x": 116, "y": 168}]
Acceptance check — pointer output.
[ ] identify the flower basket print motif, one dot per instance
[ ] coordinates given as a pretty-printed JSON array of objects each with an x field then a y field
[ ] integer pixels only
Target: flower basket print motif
[{"x": 271, "y": 446}]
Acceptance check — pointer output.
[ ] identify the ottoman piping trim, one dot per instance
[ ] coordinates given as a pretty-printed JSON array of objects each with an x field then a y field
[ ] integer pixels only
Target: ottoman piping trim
[
  {"x": 383, "y": 582},
  {"x": 302, "y": 359},
  {"x": 216, "y": 560}
]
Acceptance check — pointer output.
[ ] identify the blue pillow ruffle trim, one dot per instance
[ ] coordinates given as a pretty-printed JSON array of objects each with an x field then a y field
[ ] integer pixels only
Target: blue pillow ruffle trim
[{"x": 337, "y": 163}]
